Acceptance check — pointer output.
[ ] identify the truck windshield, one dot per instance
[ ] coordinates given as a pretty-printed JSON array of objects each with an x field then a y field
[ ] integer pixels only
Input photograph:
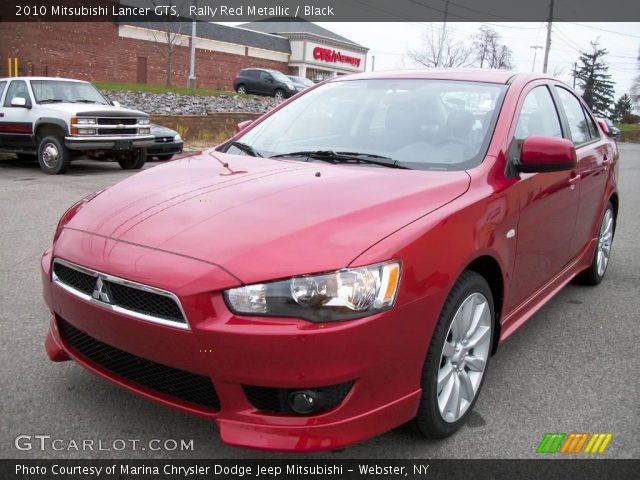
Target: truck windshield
[
  {"x": 421, "y": 123},
  {"x": 50, "y": 91}
]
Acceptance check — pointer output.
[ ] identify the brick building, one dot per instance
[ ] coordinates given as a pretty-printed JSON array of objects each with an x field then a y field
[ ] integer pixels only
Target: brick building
[{"x": 137, "y": 52}]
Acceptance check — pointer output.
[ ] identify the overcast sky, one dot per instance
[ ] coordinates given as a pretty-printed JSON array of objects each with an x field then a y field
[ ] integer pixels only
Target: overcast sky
[{"x": 389, "y": 43}]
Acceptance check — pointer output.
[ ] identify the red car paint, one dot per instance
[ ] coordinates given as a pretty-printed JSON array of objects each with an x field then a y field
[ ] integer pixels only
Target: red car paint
[{"x": 191, "y": 228}]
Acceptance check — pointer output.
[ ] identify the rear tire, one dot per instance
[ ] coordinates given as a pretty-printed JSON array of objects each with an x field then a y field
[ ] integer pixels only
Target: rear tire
[
  {"x": 457, "y": 360},
  {"x": 53, "y": 156},
  {"x": 598, "y": 268},
  {"x": 134, "y": 160}
]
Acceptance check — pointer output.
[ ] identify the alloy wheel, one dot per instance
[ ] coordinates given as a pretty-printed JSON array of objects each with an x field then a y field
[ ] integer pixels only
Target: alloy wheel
[
  {"x": 464, "y": 357},
  {"x": 604, "y": 242}
]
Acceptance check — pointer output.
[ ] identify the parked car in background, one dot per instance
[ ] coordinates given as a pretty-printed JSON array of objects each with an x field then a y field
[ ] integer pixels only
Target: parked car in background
[
  {"x": 613, "y": 131},
  {"x": 58, "y": 120},
  {"x": 301, "y": 82},
  {"x": 167, "y": 143},
  {"x": 349, "y": 262},
  {"x": 262, "y": 81}
]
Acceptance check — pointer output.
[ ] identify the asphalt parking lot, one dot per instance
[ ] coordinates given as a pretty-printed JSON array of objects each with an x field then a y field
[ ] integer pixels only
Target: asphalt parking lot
[{"x": 573, "y": 368}]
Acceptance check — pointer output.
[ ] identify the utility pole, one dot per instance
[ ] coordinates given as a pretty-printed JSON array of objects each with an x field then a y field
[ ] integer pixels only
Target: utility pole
[
  {"x": 444, "y": 32},
  {"x": 548, "y": 45},
  {"x": 535, "y": 54},
  {"x": 192, "y": 62},
  {"x": 373, "y": 63}
]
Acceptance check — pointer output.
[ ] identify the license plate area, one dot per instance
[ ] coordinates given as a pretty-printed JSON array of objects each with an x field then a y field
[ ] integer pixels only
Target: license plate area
[{"x": 123, "y": 145}]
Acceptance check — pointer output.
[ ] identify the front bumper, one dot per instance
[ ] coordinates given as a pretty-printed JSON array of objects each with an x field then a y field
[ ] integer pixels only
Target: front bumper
[
  {"x": 108, "y": 142},
  {"x": 169, "y": 148},
  {"x": 381, "y": 354}
]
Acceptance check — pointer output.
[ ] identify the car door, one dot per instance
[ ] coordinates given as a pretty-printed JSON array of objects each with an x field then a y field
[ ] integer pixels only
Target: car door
[
  {"x": 266, "y": 83},
  {"x": 16, "y": 122},
  {"x": 548, "y": 201},
  {"x": 594, "y": 158}
]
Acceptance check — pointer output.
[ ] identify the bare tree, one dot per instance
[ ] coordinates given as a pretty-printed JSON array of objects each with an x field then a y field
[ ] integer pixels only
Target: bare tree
[
  {"x": 170, "y": 33},
  {"x": 439, "y": 50},
  {"x": 635, "y": 88},
  {"x": 489, "y": 52}
]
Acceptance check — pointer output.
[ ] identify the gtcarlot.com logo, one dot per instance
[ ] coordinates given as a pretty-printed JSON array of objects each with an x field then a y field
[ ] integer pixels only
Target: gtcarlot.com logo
[
  {"x": 594, "y": 443},
  {"x": 45, "y": 443}
]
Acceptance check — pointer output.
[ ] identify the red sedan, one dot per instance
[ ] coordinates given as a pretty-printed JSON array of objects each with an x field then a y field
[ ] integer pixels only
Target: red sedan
[{"x": 345, "y": 264}]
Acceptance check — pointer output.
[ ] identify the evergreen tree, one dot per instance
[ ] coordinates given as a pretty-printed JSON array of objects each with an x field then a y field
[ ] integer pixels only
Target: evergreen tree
[
  {"x": 595, "y": 81},
  {"x": 622, "y": 109}
]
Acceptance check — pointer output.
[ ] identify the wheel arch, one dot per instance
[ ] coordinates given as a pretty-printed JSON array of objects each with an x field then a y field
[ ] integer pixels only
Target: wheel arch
[
  {"x": 53, "y": 125},
  {"x": 489, "y": 268},
  {"x": 615, "y": 203}
]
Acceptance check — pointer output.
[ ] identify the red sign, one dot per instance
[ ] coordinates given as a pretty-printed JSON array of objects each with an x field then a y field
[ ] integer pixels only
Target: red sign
[{"x": 331, "y": 56}]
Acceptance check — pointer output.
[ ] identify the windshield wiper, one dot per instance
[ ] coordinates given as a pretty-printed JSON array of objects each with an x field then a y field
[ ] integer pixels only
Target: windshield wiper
[
  {"x": 51, "y": 100},
  {"x": 245, "y": 148},
  {"x": 345, "y": 157},
  {"x": 84, "y": 100}
]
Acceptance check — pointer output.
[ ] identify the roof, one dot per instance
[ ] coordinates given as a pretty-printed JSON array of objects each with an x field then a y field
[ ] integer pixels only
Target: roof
[
  {"x": 470, "y": 75},
  {"x": 222, "y": 33},
  {"x": 285, "y": 25},
  {"x": 43, "y": 78}
]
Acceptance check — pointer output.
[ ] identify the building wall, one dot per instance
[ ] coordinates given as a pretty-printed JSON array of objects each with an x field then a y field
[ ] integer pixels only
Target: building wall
[{"x": 95, "y": 51}]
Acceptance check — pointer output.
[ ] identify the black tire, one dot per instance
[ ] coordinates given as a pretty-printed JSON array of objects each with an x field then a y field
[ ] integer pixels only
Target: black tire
[
  {"x": 53, "y": 156},
  {"x": 279, "y": 94},
  {"x": 429, "y": 421},
  {"x": 164, "y": 157},
  {"x": 592, "y": 276},
  {"x": 241, "y": 89},
  {"x": 135, "y": 160}
]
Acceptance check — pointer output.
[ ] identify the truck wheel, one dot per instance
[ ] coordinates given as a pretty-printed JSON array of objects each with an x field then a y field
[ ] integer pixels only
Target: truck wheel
[
  {"x": 135, "y": 160},
  {"x": 53, "y": 156}
]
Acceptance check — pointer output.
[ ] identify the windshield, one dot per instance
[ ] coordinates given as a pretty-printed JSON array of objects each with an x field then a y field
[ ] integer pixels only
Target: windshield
[
  {"x": 421, "y": 123},
  {"x": 50, "y": 91},
  {"x": 279, "y": 76}
]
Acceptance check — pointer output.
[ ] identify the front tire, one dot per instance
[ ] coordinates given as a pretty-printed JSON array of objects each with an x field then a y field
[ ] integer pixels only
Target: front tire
[
  {"x": 53, "y": 156},
  {"x": 163, "y": 158},
  {"x": 241, "y": 89},
  {"x": 598, "y": 268},
  {"x": 279, "y": 94},
  {"x": 457, "y": 359},
  {"x": 135, "y": 160}
]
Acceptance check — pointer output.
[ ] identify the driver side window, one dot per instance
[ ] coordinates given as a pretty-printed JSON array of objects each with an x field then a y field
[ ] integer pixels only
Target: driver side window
[
  {"x": 538, "y": 115},
  {"x": 17, "y": 88}
]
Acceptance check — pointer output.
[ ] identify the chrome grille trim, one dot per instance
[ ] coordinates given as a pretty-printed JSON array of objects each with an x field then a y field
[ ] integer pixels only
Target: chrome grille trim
[{"x": 121, "y": 281}]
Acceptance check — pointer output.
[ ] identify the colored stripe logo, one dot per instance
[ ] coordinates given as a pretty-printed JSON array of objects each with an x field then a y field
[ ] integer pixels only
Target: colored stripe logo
[{"x": 593, "y": 443}]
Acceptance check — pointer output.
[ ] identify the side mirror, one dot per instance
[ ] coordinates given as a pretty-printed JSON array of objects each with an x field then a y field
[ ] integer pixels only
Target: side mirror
[
  {"x": 612, "y": 132},
  {"x": 19, "y": 102},
  {"x": 115, "y": 103},
  {"x": 603, "y": 125},
  {"x": 546, "y": 154},
  {"x": 241, "y": 126}
]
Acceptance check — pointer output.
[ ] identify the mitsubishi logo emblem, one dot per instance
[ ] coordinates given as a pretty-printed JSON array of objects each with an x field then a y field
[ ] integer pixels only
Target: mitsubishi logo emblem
[{"x": 100, "y": 292}]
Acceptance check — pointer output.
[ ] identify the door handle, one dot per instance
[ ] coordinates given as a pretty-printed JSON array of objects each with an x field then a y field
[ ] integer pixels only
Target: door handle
[
  {"x": 573, "y": 180},
  {"x": 605, "y": 162}
]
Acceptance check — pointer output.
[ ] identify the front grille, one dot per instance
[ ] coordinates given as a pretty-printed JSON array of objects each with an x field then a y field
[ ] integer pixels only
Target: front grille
[
  {"x": 140, "y": 301},
  {"x": 117, "y": 131},
  {"x": 117, "y": 121},
  {"x": 185, "y": 386},
  {"x": 163, "y": 139},
  {"x": 144, "y": 302},
  {"x": 81, "y": 281},
  {"x": 276, "y": 400}
]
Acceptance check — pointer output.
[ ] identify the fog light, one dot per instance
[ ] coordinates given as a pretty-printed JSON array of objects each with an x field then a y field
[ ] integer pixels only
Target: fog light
[
  {"x": 144, "y": 130},
  {"x": 305, "y": 402},
  {"x": 86, "y": 131}
]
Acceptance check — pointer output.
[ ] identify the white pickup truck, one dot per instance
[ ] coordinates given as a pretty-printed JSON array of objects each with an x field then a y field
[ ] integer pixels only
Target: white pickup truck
[{"x": 59, "y": 119}]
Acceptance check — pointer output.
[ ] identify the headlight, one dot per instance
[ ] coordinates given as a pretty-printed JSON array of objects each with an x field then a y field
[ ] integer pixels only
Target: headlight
[
  {"x": 342, "y": 295},
  {"x": 177, "y": 138},
  {"x": 290, "y": 86},
  {"x": 85, "y": 121},
  {"x": 143, "y": 121}
]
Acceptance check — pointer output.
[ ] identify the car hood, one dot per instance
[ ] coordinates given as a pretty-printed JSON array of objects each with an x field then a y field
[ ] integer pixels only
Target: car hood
[
  {"x": 159, "y": 130},
  {"x": 263, "y": 219},
  {"x": 91, "y": 109}
]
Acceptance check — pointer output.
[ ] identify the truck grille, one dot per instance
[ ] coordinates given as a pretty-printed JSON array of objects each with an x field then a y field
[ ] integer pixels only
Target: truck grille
[
  {"x": 123, "y": 296},
  {"x": 117, "y": 121},
  {"x": 179, "y": 384},
  {"x": 117, "y": 131}
]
